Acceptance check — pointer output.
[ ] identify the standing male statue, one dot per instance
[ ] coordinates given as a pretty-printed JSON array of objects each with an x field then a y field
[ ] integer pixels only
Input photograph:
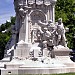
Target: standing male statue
[{"x": 61, "y": 33}]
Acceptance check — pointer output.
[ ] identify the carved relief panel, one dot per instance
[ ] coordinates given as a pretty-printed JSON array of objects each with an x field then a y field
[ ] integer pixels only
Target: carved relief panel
[{"x": 35, "y": 16}]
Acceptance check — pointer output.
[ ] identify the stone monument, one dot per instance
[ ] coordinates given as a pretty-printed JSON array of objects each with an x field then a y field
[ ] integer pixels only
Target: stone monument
[{"x": 38, "y": 45}]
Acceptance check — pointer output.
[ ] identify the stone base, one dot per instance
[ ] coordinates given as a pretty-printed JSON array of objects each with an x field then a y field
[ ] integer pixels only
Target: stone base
[
  {"x": 6, "y": 59},
  {"x": 48, "y": 66},
  {"x": 62, "y": 51},
  {"x": 23, "y": 71},
  {"x": 43, "y": 65}
]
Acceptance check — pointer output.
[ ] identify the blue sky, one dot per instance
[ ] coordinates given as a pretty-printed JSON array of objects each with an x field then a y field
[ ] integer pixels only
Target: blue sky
[{"x": 6, "y": 10}]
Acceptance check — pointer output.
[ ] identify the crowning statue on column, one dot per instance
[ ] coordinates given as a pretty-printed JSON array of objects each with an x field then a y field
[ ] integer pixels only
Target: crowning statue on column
[{"x": 38, "y": 43}]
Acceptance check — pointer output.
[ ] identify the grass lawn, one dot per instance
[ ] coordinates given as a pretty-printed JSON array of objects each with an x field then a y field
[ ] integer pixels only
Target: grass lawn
[{"x": 64, "y": 74}]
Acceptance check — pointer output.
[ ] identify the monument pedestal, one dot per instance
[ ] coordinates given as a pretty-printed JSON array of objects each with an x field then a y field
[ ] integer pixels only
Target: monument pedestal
[
  {"x": 22, "y": 50},
  {"x": 48, "y": 66},
  {"x": 61, "y": 51},
  {"x": 35, "y": 46},
  {"x": 43, "y": 65}
]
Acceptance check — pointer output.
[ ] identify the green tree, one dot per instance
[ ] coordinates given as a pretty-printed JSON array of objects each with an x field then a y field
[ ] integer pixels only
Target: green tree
[
  {"x": 4, "y": 37},
  {"x": 13, "y": 20},
  {"x": 2, "y": 27},
  {"x": 3, "y": 40},
  {"x": 7, "y": 24},
  {"x": 65, "y": 9}
]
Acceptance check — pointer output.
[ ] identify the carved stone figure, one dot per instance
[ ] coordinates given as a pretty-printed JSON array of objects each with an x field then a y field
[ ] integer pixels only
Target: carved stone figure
[
  {"x": 61, "y": 33},
  {"x": 48, "y": 35},
  {"x": 52, "y": 29}
]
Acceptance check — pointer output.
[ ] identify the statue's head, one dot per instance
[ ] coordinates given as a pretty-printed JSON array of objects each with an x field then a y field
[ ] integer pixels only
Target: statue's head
[
  {"x": 60, "y": 20},
  {"x": 50, "y": 21}
]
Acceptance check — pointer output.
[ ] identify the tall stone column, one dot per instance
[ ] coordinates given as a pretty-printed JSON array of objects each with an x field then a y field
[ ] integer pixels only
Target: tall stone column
[
  {"x": 26, "y": 2},
  {"x": 48, "y": 13},
  {"x": 53, "y": 13},
  {"x": 22, "y": 30},
  {"x": 26, "y": 36}
]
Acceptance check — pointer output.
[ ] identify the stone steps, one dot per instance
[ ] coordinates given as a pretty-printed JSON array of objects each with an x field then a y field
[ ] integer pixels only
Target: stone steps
[{"x": 38, "y": 70}]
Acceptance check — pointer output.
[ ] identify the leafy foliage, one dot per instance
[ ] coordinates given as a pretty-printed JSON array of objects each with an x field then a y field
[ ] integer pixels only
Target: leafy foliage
[
  {"x": 65, "y": 9},
  {"x": 4, "y": 37}
]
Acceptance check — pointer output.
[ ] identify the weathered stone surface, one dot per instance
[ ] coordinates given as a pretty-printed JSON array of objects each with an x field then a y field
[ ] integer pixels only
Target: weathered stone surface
[{"x": 38, "y": 45}]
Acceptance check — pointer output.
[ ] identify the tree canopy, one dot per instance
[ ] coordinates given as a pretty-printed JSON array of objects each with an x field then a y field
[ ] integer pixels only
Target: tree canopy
[
  {"x": 5, "y": 34},
  {"x": 65, "y": 9}
]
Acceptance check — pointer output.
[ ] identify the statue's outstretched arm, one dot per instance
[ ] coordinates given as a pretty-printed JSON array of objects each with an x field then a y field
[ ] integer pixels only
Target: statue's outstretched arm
[{"x": 42, "y": 24}]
